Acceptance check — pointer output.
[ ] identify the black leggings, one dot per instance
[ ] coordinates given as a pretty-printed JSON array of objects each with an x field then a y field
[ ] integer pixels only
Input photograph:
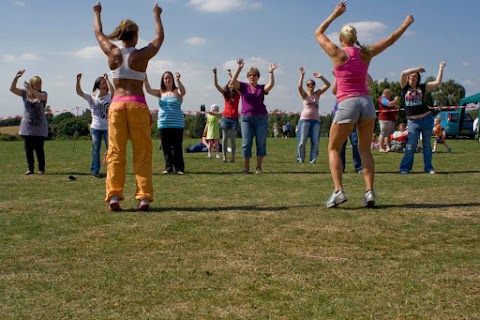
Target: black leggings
[
  {"x": 34, "y": 143},
  {"x": 172, "y": 139}
]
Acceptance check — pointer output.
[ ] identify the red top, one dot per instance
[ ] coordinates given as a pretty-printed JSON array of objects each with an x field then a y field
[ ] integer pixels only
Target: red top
[
  {"x": 231, "y": 107},
  {"x": 390, "y": 114}
]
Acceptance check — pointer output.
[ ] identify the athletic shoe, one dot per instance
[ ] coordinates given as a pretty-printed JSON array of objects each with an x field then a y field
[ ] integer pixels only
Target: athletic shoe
[
  {"x": 29, "y": 172},
  {"x": 144, "y": 205},
  {"x": 370, "y": 199},
  {"x": 232, "y": 160},
  {"x": 403, "y": 171},
  {"x": 258, "y": 170},
  {"x": 41, "y": 172},
  {"x": 313, "y": 161},
  {"x": 244, "y": 170},
  {"x": 180, "y": 173},
  {"x": 336, "y": 198},
  {"x": 431, "y": 172},
  {"x": 114, "y": 204},
  {"x": 217, "y": 156}
]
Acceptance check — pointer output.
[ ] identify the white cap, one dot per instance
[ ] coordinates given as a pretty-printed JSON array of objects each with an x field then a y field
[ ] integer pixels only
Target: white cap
[{"x": 214, "y": 107}]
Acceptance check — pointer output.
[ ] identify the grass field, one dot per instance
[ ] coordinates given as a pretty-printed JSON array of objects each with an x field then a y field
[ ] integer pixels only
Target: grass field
[{"x": 223, "y": 245}]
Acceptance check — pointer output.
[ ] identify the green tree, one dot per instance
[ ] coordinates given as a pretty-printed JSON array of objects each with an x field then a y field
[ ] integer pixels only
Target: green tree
[{"x": 449, "y": 93}]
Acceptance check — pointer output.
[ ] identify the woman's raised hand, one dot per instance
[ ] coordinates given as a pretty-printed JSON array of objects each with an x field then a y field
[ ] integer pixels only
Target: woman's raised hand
[
  {"x": 97, "y": 7},
  {"x": 340, "y": 8},
  {"x": 157, "y": 10},
  {"x": 20, "y": 73}
]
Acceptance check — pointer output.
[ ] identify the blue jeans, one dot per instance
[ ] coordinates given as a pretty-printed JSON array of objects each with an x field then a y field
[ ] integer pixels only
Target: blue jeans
[
  {"x": 425, "y": 126},
  {"x": 357, "y": 162},
  {"x": 96, "y": 144},
  {"x": 308, "y": 129},
  {"x": 254, "y": 126}
]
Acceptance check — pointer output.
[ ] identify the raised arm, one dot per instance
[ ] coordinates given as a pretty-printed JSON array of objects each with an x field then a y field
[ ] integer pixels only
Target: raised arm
[
  {"x": 391, "y": 39},
  {"x": 406, "y": 73},
  {"x": 330, "y": 48},
  {"x": 215, "y": 81},
  {"x": 148, "y": 88},
  {"x": 111, "y": 89},
  {"x": 154, "y": 45},
  {"x": 234, "y": 80},
  {"x": 432, "y": 85},
  {"x": 326, "y": 84},
  {"x": 181, "y": 89},
  {"x": 102, "y": 40},
  {"x": 300, "y": 83},
  {"x": 78, "y": 87},
  {"x": 13, "y": 86},
  {"x": 271, "y": 78}
]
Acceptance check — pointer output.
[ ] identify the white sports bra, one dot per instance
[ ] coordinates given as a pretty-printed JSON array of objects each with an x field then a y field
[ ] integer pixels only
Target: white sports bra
[{"x": 124, "y": 71}]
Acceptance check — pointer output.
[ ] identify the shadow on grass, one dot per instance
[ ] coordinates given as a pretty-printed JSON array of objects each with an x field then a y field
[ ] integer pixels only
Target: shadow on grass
[
  {"x": 436, "y": 172},
  {"x": 206, "y": 209}
]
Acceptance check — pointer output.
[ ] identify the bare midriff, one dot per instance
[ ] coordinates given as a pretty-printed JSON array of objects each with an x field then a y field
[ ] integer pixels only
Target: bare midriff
[{"x": 128, "y": 87}]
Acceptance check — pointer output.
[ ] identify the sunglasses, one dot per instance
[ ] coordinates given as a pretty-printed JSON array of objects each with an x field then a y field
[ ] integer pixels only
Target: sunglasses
[{"x": 310, "y": 84}]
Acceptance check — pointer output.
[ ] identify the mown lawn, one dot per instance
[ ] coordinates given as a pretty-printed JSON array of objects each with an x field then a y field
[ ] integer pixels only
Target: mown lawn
[{"x": 218, "y": 244}]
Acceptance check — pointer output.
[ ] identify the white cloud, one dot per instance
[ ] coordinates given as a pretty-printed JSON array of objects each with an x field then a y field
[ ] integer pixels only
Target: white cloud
[
  {"x": 19, "y": 4},
  {"x": 89, "y": 53},
  {"x": 223, "y": 5},
  {"x": 22, "y": 57},
  {"x": 196, "y": 41}
]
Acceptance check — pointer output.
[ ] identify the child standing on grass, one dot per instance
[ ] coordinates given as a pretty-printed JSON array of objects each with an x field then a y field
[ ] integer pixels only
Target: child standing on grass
[
  {"x": 212, "y": 130},
  {"x": 439, "y": 137}
]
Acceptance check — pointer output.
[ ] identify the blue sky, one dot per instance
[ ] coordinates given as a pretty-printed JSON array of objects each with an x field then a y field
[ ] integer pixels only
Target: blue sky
[{"x": 54, "y": 39}]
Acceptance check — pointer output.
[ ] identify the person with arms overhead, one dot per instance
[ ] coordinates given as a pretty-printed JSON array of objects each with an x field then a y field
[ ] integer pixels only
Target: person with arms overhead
[
  {"x": 355, "y": 104},
  {"x": 98, "y": 102},
  {"x": 129, "y": 116},
  {"x": 34, "y": 125},
  {"x": 419, "y": 115}
]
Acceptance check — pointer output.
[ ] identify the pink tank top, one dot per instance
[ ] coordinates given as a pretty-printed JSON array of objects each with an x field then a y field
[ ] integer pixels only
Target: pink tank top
[
  {"x": 310, "y": 109},
  {"x": 351, "y": 76}
]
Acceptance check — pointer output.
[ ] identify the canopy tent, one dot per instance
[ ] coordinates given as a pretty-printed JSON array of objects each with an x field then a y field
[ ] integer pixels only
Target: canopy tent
[{"x": 470, "y": 99}]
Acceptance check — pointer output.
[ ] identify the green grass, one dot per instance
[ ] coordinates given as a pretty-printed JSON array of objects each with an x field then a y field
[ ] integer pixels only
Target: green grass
[{"x": 222, "y": 245}]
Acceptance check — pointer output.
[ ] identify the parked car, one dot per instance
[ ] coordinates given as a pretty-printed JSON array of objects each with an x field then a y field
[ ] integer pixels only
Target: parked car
[{"x": 449, "y": 121}]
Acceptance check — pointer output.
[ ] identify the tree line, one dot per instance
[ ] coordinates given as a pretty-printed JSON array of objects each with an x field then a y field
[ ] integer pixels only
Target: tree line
[{"x": 68, "y": 125}]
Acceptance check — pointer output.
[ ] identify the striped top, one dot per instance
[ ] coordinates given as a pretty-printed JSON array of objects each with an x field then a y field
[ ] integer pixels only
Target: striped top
[{"x": 170, "y": 114}]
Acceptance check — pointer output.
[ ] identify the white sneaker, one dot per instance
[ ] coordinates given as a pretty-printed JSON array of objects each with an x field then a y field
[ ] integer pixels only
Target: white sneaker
[
  {"x": 336, "y": 198},
  {"x": 217, "y": 156},
  {"x": 370, "y": 199}
]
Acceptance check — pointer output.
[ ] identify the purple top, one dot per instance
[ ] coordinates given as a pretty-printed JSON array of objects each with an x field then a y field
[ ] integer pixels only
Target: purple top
[{"x": 252, "y": 100}]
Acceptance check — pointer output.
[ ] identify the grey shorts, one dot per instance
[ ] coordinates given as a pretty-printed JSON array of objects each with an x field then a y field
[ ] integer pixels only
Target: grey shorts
[
  {"x": 354, "y": 109},
  {"x": 387, "y": 127}
]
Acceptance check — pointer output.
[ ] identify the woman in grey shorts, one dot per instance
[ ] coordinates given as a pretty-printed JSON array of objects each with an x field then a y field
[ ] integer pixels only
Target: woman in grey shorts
[{"x": 355, "y": 105}]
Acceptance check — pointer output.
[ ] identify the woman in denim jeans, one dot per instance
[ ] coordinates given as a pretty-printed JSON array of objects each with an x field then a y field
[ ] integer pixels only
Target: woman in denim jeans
[
  {"x": 420, "y": 119},
  {"x": 98, "y": 104},
  {"x": 309, "y": 124},
  {"x": 254, "y": 113}
]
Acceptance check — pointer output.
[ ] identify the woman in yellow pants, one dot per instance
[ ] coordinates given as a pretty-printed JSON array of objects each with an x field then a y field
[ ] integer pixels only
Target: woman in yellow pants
[{"x": 129, "y": 116}]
